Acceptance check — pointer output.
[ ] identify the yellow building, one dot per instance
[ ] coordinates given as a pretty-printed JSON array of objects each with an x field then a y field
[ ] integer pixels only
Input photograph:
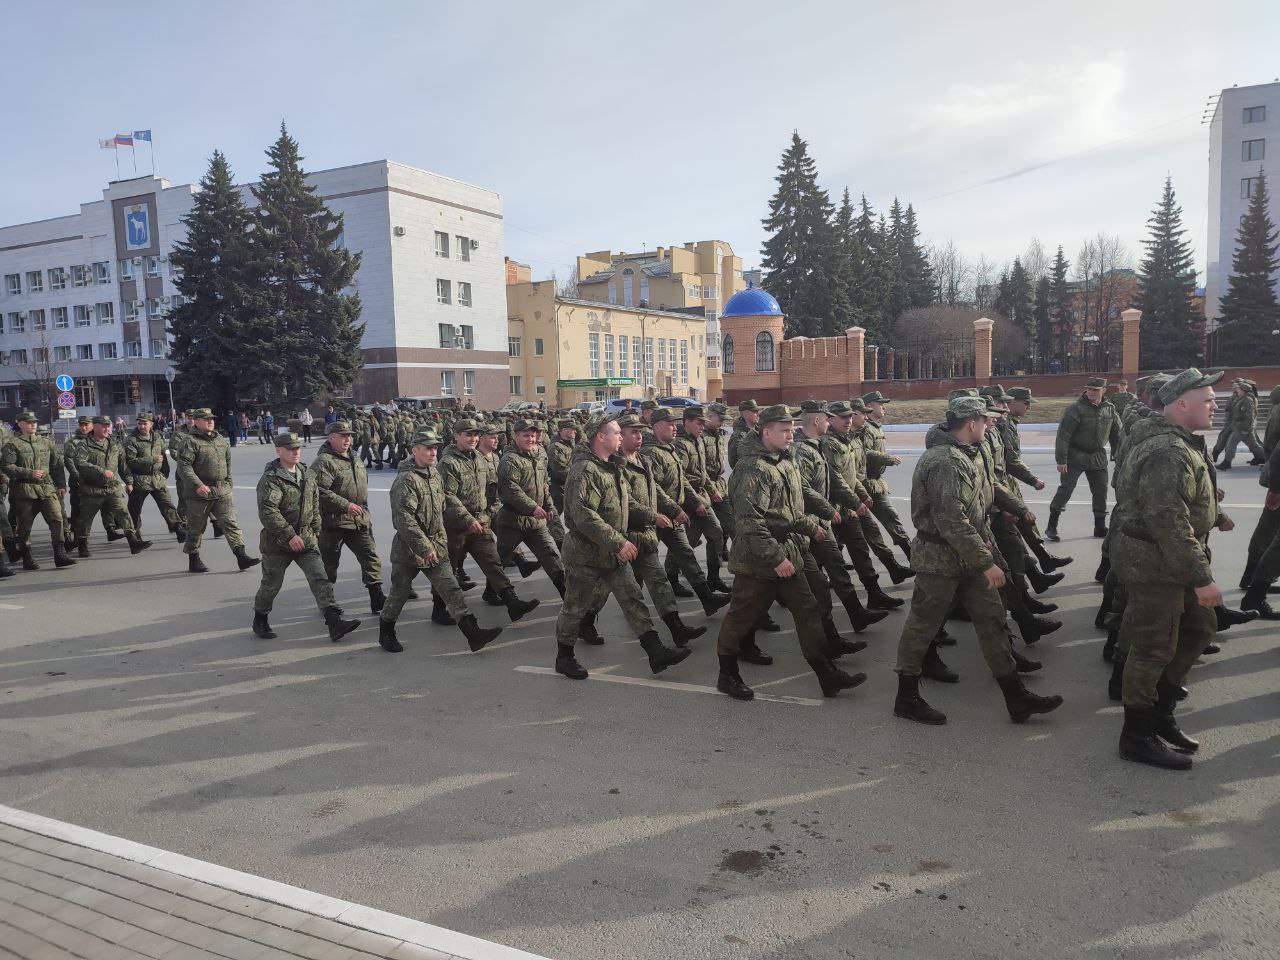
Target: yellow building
[
  {"x": 565, "y": 351},
  {"x": 696, "y": 277}
]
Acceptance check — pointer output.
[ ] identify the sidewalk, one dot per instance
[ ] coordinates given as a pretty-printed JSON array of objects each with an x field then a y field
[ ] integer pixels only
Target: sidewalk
[{"x": 70, "y": 892}]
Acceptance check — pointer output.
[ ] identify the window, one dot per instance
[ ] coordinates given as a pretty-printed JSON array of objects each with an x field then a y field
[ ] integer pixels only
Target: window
[
  {"x": 464, "y": 293},
  {"x": 613, "y": 291},
  {"x": 442, "y": 245},
  {"x": 59, "y": 318},
  {"x": 37, "y": 321},
  {"x": 35, "y": 281},
  {"x": 131, "y": 311},
  {"x": 106, "y": 312},
  {"x": 158, "y": 349},
  {"x": 13, "y": 284},
  {"x": 102, "y": 272},
  {"x": 468, "y": 337},
  {"x": 176, "y": 273},
  {"x": 119, "y": 392},
  {"x": 608, "y": 355},
  {"x": 644, "y": 290},
  {"x": 39, "y": 354},
  {"x": 62, "y": 354},
  {"x": 623, "y": 366},
  {"x": 648, "y": 359},
  {"x": 684, "y": 361},
  {"x": 153, "y": 267},
  {"x": 83, "y": 315},
  {"x": 57, "y": 278},
  {"x": 628, "y": 287},
  {"x": 517, "y": 386},
  {"x": 539, "y": 386},
  {"x": 537, "y": 346},
  {"x": 469, "y": 382},
  {"x": 1251, "y": 150},
  {"x": 726, "y": 353},
  {"x": 710, "y": 293},
  {"x": 106, "y": 351},
  {"x": 694, "y": 290},
  {"x": 84, "y": 351},
  {"x": 87, "y": 392},
  {"x": 447, "y": 336},
  {"x": 446, "y": 382},
  {"x": 1247, "y": 186},
  {"x": 764, "y": 352},
  {"x": 154, "y": 307},
  {"x": 1255, "y": 114},
  {"x": 464, "y": 248},
  {"x": 18, "y": 358},
  {"x": 17, "y": 323},
  {"x": 662, "y": 353},
  {"x": 442, "y": 292},
  {"x": 513, "y": 346},
  {"x": 79, "y": 276},
  {"x": 133, "y": 348},
  {"x": 593, "y": 353},
  {"x": 126, "y": 269}
]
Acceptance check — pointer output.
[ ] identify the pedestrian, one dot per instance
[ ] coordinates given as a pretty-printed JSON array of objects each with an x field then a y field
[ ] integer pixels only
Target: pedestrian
[
  {"x": 232, "y": 425},
  {"x": 330, "y": 415},
  {"x": 268, "y": 427},
  {"x": 1088, "y": 426},
  {"x": 242, "y": 422},
  {"x": 204, "y": 467},
  {"x": 305, "y": 420}
]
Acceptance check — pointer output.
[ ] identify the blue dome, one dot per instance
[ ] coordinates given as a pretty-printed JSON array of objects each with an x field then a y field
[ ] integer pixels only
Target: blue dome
[{"x": 752, "y": 302}]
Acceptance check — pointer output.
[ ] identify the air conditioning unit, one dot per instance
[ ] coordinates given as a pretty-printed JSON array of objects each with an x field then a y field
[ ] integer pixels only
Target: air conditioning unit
[
  {"x": 137, "y": 261},
  {"x": 398, "y": 231},
  {"x": 139, "y": 304},
  {"x": 475, "y": 244},
  {"x": 459, "y": 343},
  {"x": 166, "y": 299},
  {"x": 164, "y": 259}
]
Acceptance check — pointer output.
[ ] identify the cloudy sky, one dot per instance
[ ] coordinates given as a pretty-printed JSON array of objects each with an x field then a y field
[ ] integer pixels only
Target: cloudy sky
[{"x": 625, "y": 126}]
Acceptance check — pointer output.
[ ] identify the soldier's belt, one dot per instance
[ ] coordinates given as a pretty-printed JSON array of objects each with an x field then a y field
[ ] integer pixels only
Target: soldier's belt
[
  {"x": 932, "y": 538},
  {"x": 1137, "y": 534}
]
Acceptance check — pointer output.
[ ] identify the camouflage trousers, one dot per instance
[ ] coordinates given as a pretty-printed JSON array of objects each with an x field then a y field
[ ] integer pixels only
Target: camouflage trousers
[
  {"x": 752, "y": 597},
  {"x": 587, "y": 589},
  {"x": 538, "y": 539},
  {"x": 359, "y": 540},
  {"x": 1097, "y": 486},
  {"x": 161, "y": 496},
  {"x": 724, "y": 513},
  {"x": 1235, "y": 438},
  {"x": 706, "y": 526},
  {"x": 875, "y": 541},
  {"x": 221, "y": 509},
  {"x": 484, "y": 550},
  {"x": 1166, "y": 631},
  {"x": 852, "y": 537},
  {"x": 6, "y": 528},
  {"x": 110, "y": 503},
  {"x": 649, "y": 573},
  {"x": 883, "y": 510},
  {"x": 932, "y": 598},
  {"x": 274, "y": 567},
  {"x": 1264, "y": 548},
  {"x": 826, "y": 553},
  {"x": 680, "y": 555},
  {"x": 1009, "y": 540},
  {"x": 442, "y": 583},
  {"x": 71, "y": 513},
  {"x": 25, "y": 515}
]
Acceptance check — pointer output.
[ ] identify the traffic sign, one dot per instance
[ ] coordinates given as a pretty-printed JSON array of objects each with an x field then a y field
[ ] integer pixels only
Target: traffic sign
[
  {"x": 67, "y": 401},
  {"x": 66, "y": 414},
  {"x": 170, "y": 374},
  {"x": 64, "y": 383}
]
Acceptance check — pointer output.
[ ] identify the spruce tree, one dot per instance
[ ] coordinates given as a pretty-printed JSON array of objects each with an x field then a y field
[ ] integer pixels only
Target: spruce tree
[
  {"x": 869, "y": 301},
  {"x": 1060, "y": 320},
  {"x": 1166, "y": 288},
  {"x": 1042, "y": 324},
  {"x": 848, "y": 266},
  {"x": 1020, "y": 295},
  {"x": 214, "y": 329},
  {"x": 310, "y": 323},
  {"x": 914, "y": 268},
  {"x": 1249, "y": 304}
]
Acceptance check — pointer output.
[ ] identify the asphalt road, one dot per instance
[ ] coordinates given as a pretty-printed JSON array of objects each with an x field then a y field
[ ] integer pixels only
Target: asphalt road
[{"x": 630, "y": 816}]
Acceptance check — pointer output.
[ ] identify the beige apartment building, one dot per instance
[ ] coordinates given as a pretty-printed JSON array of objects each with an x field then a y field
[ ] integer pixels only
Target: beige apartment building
[
  {"x": 695, "y": 277},
  {"x": 565, "y": 351}
]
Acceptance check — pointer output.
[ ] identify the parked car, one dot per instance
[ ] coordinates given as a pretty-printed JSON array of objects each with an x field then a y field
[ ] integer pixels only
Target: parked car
[
  {"x": 617, "y": 405},
  {"x": 517, "y": 405},
  {"x": 679, "y": 402},
  {"x": 590, "y": 407}
]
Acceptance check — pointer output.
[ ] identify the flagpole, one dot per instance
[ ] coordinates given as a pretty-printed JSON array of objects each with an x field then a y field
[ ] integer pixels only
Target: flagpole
[
  {"x": 133, "y": 147},
  {"x": 116, "y": 151},
  {"x": 152, "y": 146}
]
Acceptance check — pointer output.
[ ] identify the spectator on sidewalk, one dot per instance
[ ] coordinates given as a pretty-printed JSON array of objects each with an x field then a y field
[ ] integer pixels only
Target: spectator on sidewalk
[{"x": 305, "y": 420}]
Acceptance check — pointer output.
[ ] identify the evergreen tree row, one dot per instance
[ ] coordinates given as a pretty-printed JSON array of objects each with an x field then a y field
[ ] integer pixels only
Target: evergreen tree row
[{"x": 266, "y": 315}]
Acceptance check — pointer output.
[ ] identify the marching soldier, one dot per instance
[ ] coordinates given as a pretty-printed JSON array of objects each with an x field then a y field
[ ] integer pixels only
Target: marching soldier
[
  {"x": 1243, "y": 426},
  {"x": 204, "y": 465},
  {"x": 878, "y": 461},
  {"x": 558, "y": 456},
  {"x": 145, "y": 454},
  {"x": 524, "y": 489},
  {"x": 716, "y": 446},
  {"x": 1263, "y": 563},
  {"x": 37, "y": 483},
  {"x": 870, "y": 528},
  {"x": 101, "y": 465},
  {"x": 702, "y": 517},
  {"x": 342, "y": 483},
  {"x": 289, "y": 510},
  {"x": 1019, "y": 405},
  {"x": 1087, "y": 427},
  {"x": 748, "y": 419}
]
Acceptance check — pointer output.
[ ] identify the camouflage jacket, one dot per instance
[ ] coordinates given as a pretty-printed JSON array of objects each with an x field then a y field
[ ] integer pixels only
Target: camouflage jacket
[
  {"x": 693, "y": 458},
  {"x": 417, "y": 512},
  {"x": 558, "y": 456},
  {"x": 1013, "y": 462},
  {"x": 740, "y": 431},
  {"x": 597, "y": 505},
  {"x": 877, "y": 457},
  {"x": 205, "y": 460},
  {"x": 341, "y": 481},
  {"x": 647, "y": 501},
  {"x": 1269, "y": 475},
  {"x": 1006, "y": 495},
  {"x": 1083, "y": 434},
  {"x": 140, "y": 453},
  {"x": 815, "y": 478},
  {"x": 668, "y": 471},
  {"x": 288, "y": 507},
  {"x": 951, "y": 497},
  {"x": 1122, "y": 402},
  {"x": 69, "y": 448},
  {"x": 1132, "y": 414},
  {"x": 768, "y": 507},
  {"x": 491, "y": 461},
  {"x": 714, "y": 447},
  {"x": 845, "y": 456},
  {"x": 22, "y": 456},
  {"x": 523, "y": 486},
  {"x": 464, "y": 475},
  {"x": 1170, "y": 507},
  {"x": 92, "y": 462},
  {"x": 1244, "y": 415}
]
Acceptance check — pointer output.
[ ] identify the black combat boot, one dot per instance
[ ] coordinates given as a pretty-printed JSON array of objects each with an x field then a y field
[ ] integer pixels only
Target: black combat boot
[
  {"x": 1115, "y": 685},
  {"x": 1109, "y": 647},
  {"x": 82, "y": 548},
  {"x": 243, "y": 560},
  {"x": 557, "y": 581},
  {"x": 440, "y": 612},
  {"x": 859, "y": 616},
  {"x": 195, "y": 564},
  {"x": 1038, "y": 607},
  {"x": 877, "y": 599},
  {"x": 180, "y": 533},
  {"x": 1165, "y": 726},
  {"x": 911, "y": 706},
  {"x": 136, "y": 543},
  {"x": 567, "y": 663},
  {"x": 750, "y": 651},
  {"x": 1139, "y": 742},
  {"x": 1210, "y": 649},
  {"x": 831, "y": 678},
  {"x": 1024, "y": 664},
  {"x": 905, "y": 547},
  {"x": 838, "y": 646},
  {"x": 729, "y": 681},
  {"x": 261, "y": 627},
  {"x": 1051, "y": 531},
  {"x": 5, "y": 570},
  {"x": 660, "y": 655},
  {"x": 681, "y": 633},
  {"x": 377, "y": 599},
  {"x": 217, "y": 529},
  {"x": 1246, "y": 578},
  {"x": 1104, "y": 567},
  {"x": 60, "y": 558},
  {"x": 1108, "y": 596},
  {"x": 465, "y": 582},
  {"x": 587, "y": 631},
  {"x": 679, "y": 589},
  {"x": 114, "y": 534},
  {"x": 1040, "y": 582},
  {"x": 1099, "y": 525},
  {"x": 12, "y": 552},
  {"x": 897, "y": 572},
  {"x": 527, "y": 567},
  {"x": 1048, "y": 562},
  {"x": 476, "y": 635},
  {"x": 387, "y": 638},
  {"x": 1254, "y": 600},
  {"x": 1022, "y": 703},
  {"x": 710, "y": 602},
  {"x": 28, "y": 561},
  {"x": 338, "y": 628},
  {"x": 932, "y": 668},
  {"x": 768, "y": 624},
  {"x": 1228, "y": 618},
  {"x": 944, "y": 639},
  {"x": 713, "y": 578},
  {"x": 516, "y": 608},
  {"x": 1033, "y": 628},
  {"x": 490, "y": 596}
]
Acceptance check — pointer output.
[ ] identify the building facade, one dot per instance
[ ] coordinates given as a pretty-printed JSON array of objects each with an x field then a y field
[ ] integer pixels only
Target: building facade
[
  {"x": 1240, "y": 145},
  {"x": 88, "y": 294},
  {"x": 565, "y": 351}
]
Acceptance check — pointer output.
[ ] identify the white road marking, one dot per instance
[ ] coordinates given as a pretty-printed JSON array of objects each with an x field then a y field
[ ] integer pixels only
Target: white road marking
[
  {"x": 491, "y": 646},
  {"x": 680, "y": 687},
  {"x": 540, "y": 723},
  {"x": 1082, "y": 642},
  {"x": 10, "y": 606},
  {"x": 774, "y": 683}
]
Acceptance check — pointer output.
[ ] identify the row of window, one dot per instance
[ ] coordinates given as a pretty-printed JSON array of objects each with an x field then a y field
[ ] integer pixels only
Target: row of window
[
  {"x": 766, "y": 356},
  {"x": 461, "y": 245},
  {"x": 667, "y": 356},
  {"x": 517, "y": 386},
  {"x": 81, "y": 351},
  {"x": 515, "y": 349},
  {"x": 87, "y": 314},
  {"x": 1255, "y": 114},
  {"x": 84, "y": 275},
  {"x": 86, "y": 394},
  {"x": 628, "y": 291},
  {"x": 457, "y": 338},
  {"x": 444, "y": 292},
  {"x": 448, "y": 382}
]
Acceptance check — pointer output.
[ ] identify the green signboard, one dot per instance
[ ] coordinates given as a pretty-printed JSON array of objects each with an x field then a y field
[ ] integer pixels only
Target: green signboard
[{"x": 596, "y": 382}]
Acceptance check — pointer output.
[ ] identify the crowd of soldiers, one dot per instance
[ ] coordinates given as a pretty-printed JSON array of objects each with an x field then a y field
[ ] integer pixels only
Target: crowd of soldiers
[{"x": 789, "y": 501}]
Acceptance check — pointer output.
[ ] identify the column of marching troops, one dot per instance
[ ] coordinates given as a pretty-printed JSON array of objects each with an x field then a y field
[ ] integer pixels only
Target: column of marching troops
[{"x": 779, "y": 502}]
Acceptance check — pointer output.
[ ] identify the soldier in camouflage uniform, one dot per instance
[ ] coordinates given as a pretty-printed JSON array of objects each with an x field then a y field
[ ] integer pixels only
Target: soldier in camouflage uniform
[
  {"x": 716, "y": 447},
  {"x": 1019, "y": 405},
  {"x": 558, "y": 456},
  {"x": 747, "y": 421},
  {"x": 870, "y": 528},
  {"x": 105, "y": 481},
  {"x": 145, "y": 454},
  {"x": 177, "y": 436},
  {"x": 952, "y": 493},
  {"x": 1161, "y": 554},
  {"x": 204, "y": 465},
  {"x": 11, "y": 552},
  {"x": 878, "y": 461},
  {"x": 1122, "y": 399},
  {"x": 598, "y": 553},
  {"x": 1087, "y": 428},
  {"x": 37, "y": 480},
  {"x": 1243, "y": 426},
  {"x": 702, "y": 517},
  {"x": 421, "y": 545},
  {"x": 1262, "y": 566},
  {"x": 342, "y": 483},
  {"x": 525, "y": 492},
  {"x": 289, "y": 511},
  {"x": 84, "y": 430}
]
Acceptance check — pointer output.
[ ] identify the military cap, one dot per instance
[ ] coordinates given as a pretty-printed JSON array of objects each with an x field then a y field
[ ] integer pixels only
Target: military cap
[
  {"x": 289, "y": 441},
  {"x": 490, "y": 429},
  {"x": 26, "y": 416},
  {"x": 662, "y": 415},
  {"x": 101, "y": 421},
  {"x": 526, "y": 423},
  {"x": 995, "y": 392},
  {"x": 812, "y": 406},
  {"x": 857, "y": 406},
  {"x": 597, "y": 423},
  {"x": 748, "y": 405},
  {"x": 875, "y": 396},
  {"x": 630, "y": 420},
  {"x": 1189, "y": 379},
  {"x": 694, "y": 413},
  {"x": 1020, "y": 393},
  {"x": 962, "y": 392},
  {"x": 965, "y": 407},
  {"x": 649, "y": 405},
  {"x": 425, "y": 438},
  {"x": 1156, "y": 381},
  {"x": 719, "y": 409},
  {"x": 839, "y": 408},
  {"x": 201, "y": 413},
  {"x": 568, "y": 423},
  {"x": 340, "y": 426},
  {"x": 778, "y": 413},
  {"x": 1096, "y": 383},
  {"x": 83, "y": 419},
  {"x": 146, "y": 415},
  {"x": 992, "y": 409},
  {"x": 465, "y": 425}
]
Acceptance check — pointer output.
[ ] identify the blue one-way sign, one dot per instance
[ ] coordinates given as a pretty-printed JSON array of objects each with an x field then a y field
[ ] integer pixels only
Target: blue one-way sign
[{"x": 64, "y": 383}]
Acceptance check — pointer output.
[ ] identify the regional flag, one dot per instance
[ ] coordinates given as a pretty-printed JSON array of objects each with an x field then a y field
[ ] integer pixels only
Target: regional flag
[
  {"x": 142, "y": 135},
  {"x": 107, "y": 144},
  {"x": 124, "y": 140}
]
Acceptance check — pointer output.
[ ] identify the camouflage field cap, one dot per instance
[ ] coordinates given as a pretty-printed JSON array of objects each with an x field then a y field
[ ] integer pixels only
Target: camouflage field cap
[
  {"x": 992, "y": 409},
  {"x": 812, "y": 406},
  {"x": 84, "y": 420},
  {"x": 1156, "y": 381},
  {"x": 748, "y": 405},
  {"x": 719, "y": 409},
  {"x": 1096, "y": 383},
  {"x": 567, "y": 424},
  {"x": 425, "y": 438},
  {"x": 630, "y": 420},
  {"x": 26, "y": 416},
  {"x": 962, "y": 392},
  {"x": 145, "y": 415},
  {"x": 340, "y": 426},
  {"x": 839, "y": 408},
  {"x": 288, "y": 441},
  {"x": 1021, "y": 393},
  {"x": 694, "y": 413},
  {"x": 201, "y": 413},
  {"x": 663, "y": 414},
  {"x": 778, "y": 413},
  {"x": 465, "y": 425},
  {"x": 649, "y": 405},
  {"x": 965, "y": 408},
  {"x": 1189, "y": 379},
  {"x": 101, "y": 421},
  {"x": 995, "y": 392},
  {"x": 526, "y": 423},
  {"x": 857, "y": 406},
  {"x": 875, "y": 396},
  {"x": 597, "y": 423}
]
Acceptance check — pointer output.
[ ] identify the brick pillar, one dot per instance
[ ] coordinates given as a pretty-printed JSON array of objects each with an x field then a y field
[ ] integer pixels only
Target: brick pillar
[
  {"x": 891, "y": 361},
  {"x": 982, "y": 349},
  {"x": 873, "y": 360},
  {"x": 1129, "y": 364},
  {"x": 856, "y": 338}
]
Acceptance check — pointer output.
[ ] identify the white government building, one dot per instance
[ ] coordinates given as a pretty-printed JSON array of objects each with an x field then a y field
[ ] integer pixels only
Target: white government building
[{"x": 87, "y": 294}]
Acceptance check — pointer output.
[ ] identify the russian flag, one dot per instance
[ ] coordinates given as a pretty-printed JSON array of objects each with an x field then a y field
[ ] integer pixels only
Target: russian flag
[{"x": 124, "y": 140}]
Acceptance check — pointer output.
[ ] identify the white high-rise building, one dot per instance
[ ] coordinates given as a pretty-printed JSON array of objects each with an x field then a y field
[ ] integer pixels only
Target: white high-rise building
[
  {"x": 87, "y": 294},
  {"x": 1241, "y": 143}
]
